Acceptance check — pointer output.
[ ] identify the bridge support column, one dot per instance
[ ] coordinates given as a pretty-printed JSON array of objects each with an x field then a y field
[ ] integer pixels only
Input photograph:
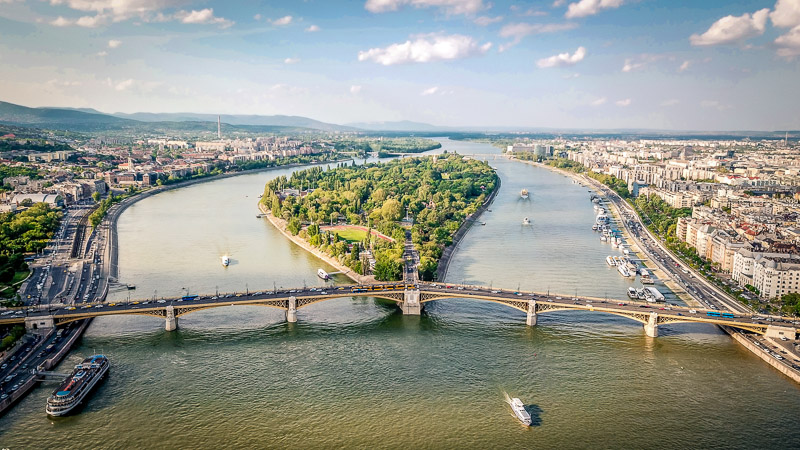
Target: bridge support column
[
  {"x": 291, "y": 312},
  {"x": 531, "y": 313},
  {"x": 411, "y": 305},
  {"x": 651, "y": 327},
  {"x": 36, "y": 323},
  {"x": 171, "y": 320}
]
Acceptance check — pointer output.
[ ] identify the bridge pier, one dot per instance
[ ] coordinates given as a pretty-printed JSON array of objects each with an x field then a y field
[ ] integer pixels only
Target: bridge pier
[
  {"x": 171, "y": 320},
  {"x": 411, "y": 305},
  {"x": 33, "y": 324},
  {"x": 531, "y": 313},
  {"x": 651, "y": 327},
  {"x": 291, "y": 311}
]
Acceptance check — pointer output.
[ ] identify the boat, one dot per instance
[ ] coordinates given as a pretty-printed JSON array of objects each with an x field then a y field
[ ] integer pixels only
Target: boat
[
  {"x": 640, "y": 294},
  {"x": 74, "y": 389},
  {"x": 632, "y": 293},
  {"x": 603, "y": 239},
  {"x": 624, "y": 271},
  {"x": 594, "y": 227},
  {"x": 654, "y": 293},
  {"x": 610, "y": 261},
  {"x": 526, "y": 221},
  {"x": 226, "y": 260},
  {"x": 483, "y": 223},
  {"x": 322, "y": 274},
  {"x": 520, "y": 412},
  {"x": 524, "y": 194}
]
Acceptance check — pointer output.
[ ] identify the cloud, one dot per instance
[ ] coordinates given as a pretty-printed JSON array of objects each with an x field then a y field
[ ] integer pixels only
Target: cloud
[
  {"x": 486, "y": 20},
  {"x": 630, "y": 65},
  {"x": 285, "y": 20},
  {"x": 61, "y": 22},
  {"x": 113, "y": 43},
  {"x": 789, "y": 43},
  {"x": 732, "y": 30},
  {"x": 119, "y": 10},
  {"x": 355, "y": 89},
  {"x": 466, "y": 7},
  {"x": 430, "y": 91},
  {"x": 585, "y": 8},
  {"x": 203, "y": 16},
  {"x": 599, "y": 101},
  {"x": 518, "y": 31},
  {"x": 291, "y": 60},
  {"x": 426, "y": 48},
  {"x": 624, "y": 102},
  {"x": 562, "y": 59},
  {"x": 670, "y": 102},
  {"x": 124, "y": 85},
  {"x": 102, "y": 53},
  {"x": 684, "y": 66},
  {"x": 312, "y": 29},
  {"x": 558, "y": 3},
  {"x": 786, "y": 14}
]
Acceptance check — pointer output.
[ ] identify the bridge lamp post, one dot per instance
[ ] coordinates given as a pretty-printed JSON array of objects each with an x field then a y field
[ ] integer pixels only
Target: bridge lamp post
[{"x": 247, "y": 288}]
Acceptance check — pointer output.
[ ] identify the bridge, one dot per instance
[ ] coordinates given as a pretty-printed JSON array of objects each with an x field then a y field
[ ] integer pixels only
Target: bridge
[{"x": 409, "y": 297}]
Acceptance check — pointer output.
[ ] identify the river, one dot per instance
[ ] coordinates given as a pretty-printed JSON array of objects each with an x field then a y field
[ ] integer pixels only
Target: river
[{"x": 357, "y": 373}]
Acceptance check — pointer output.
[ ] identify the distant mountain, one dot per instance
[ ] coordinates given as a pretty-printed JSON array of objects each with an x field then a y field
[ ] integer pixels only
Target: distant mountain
[
  {"x": 59, "y": 118},
  {"x": 250, "y": 120},
  {"x": 402, "y": 125}
]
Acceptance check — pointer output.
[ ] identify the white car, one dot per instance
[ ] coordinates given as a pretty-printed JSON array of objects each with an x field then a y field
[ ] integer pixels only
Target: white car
[{"x": 162, "y": 301}]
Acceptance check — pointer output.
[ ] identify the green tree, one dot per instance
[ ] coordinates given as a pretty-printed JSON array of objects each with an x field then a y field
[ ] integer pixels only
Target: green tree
[{"x": 96, "y": 197}]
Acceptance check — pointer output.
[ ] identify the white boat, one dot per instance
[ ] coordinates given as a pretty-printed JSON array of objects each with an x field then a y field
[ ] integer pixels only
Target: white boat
[
  {"x": 519, "y": 411},
  {"x": 524, "y": 194},
  {"x": 610, "y": 261},
  {"x": 603, "y": 238},
  {"x": 632, "y": 293},
  {"x": 322, "y": 274},
  {"x": 526, "y": 221},
  {"x": 653, "y": 293},
  {"x": 226, "y": 260},
  {"x": 624, "y": 271}
]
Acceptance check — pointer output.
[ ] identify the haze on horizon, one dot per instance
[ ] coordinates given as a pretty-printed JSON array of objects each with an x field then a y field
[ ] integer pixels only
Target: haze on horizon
[{"x": 654, "y": 64}]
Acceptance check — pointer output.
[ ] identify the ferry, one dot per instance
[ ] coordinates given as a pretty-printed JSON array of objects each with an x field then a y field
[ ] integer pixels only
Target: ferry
[
  {"x": 226, "y": 260},
  {"x": 526, "y": 221},
  {"x": 524, "y": 194},
  {"x": 610, "y": 261},
  {"x": 77, "y": 386},
  {"x": 653, "y": 293},
  {"x": 624, "y": 271},
  {"x": 632, "y": 293},
  {"x": 520, "y": 412},
  {"x": 322, "y": 274}
]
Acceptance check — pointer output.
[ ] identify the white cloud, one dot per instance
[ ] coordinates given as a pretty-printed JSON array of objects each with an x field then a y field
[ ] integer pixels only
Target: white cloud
[
  {"x": 430, "y": 91},
  {"x": 786, "y": 14},
  {"x": 558, "y": 3},
  {"x": 61, "y": 22},
  {"x": 467, "y": 7},
  {"x": 355, "y": 89},
  {"x": 426, "y": 48},
  {"x": 312, "y": 29},
  {"x": 789, "y": 43},
  {"x": 684, "y": 66},
  {"x": 585, "y": 8},
  {"x": 731, "y": 29},
  {"x": 114, "y": 43},
  {"x": 624, "y": 102},
  {"x": 563, "y": 59},
  {"x": 124, "y": 85},
  {"x": 599, "y": 101},
  {"x": 102, "y": 53},
  {"x": 285, "y": 20},
  {"x": 486, "y": 20},
  {"x": 670, "y": 102},
  {"x": 203, "y": 16},
  {"x": 518, "y": 31},
  {"x": 291, "y": 60},
  {"x": 257, "y": 17},
  {"x": 630, "y": 65},
  {"x": 119, "y": 10}
]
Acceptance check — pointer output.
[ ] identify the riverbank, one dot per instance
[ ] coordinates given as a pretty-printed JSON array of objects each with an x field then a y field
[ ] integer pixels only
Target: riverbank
[
  {"x": 447, "y": 254},
  {"x": 769, "y": 359},
  {"x": 280, "y": 225}
]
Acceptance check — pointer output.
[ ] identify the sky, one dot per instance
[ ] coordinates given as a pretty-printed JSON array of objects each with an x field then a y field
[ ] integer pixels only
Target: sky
[{"x": 577, "y": 64}]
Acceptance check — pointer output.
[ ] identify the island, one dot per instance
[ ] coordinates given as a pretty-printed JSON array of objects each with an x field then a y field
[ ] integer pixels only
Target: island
[{"x": 359, "y": 214}]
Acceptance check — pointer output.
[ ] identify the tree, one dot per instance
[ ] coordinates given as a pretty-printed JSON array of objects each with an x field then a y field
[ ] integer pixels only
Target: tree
[
  {"x": 392, "y": 210},
  {"x": 96, "y": 197}
]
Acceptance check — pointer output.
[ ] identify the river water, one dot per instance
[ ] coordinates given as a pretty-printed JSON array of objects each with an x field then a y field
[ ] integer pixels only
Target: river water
[{"x": 357, "y": 373}]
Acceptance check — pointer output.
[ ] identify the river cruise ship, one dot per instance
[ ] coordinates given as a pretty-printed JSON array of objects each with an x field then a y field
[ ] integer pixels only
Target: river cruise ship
[{"x": 74, "y": 389}]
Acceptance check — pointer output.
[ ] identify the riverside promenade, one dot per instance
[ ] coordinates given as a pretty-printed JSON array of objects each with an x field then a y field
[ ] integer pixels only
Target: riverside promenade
[{"x": 280, "y": 225}]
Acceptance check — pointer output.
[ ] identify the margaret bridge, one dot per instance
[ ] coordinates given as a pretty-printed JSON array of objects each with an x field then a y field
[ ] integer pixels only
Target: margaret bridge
[{"x": 409, "y": 297}]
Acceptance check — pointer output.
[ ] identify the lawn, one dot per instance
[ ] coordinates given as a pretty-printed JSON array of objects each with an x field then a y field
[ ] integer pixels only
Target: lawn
[{"x": 352, "y": 234}]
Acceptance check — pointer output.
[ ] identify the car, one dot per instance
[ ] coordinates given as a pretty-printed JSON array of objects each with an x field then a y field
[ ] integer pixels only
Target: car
[
  {"x": 495, "y": 292},
  {"x": 784, "y": 338},
  {"x": 3, "y": 366},
  {"x": 98, "y": 306},
  {"x": 3, "y": 397},
  {"x": 162, "y": 301},
  {"x": 71, "y": 308}
]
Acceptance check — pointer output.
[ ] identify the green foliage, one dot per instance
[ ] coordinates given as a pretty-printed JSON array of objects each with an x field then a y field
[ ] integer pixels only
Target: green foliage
[
  {"x": 438, "y": 196},
  {"x": 659, "y": 215},
  {"x": 13, "y": 336},
  {"x": 790, "y": 303},
  {"x": 27, "y": 231}
]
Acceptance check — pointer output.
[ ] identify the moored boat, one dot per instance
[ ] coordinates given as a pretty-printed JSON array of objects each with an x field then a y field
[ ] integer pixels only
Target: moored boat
[
  {"x": 322, "y": 274},
  {"x": 74, "y": 389},
  {"x": 610, "y": 261}
]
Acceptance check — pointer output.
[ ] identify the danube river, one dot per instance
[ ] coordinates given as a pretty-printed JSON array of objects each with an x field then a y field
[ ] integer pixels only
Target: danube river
[{"x": 357, "y": 373}]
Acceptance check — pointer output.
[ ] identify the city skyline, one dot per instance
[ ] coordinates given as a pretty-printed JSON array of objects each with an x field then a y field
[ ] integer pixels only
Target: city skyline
[{"x": 459, "y": 63}]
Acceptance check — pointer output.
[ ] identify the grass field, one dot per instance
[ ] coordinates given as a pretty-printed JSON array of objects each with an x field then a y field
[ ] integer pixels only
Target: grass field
[{"x": 352, "y": 234}]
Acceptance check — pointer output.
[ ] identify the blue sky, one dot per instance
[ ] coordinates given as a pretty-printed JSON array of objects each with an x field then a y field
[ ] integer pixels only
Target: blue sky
[{"x": 692, "y": 65}]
